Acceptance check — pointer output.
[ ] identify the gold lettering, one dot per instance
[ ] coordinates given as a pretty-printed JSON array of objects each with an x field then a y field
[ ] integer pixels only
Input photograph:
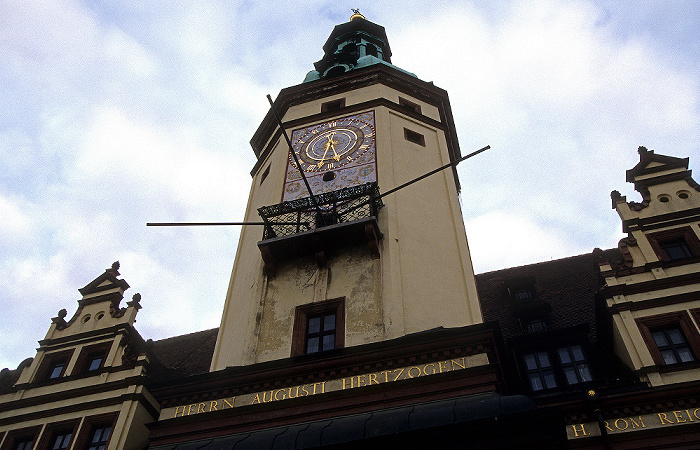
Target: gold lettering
[
  {"x": 305, "y": 390},
  {"x": 373, "y": 378},
  {"x": 608, "y": 426},
  {"x": 183, "y": 410},
  {"x": 695, "y": 413},
  {"x": 582, "y": 430},
  {"x": 623, "y": 421},
  {"x": 361, "y": 380},
  {"x": 637, "y": 425},
  {"x": 409, "y": 371},
  {"x": 233, "y": 399},
  {"x": 323, "y": 387},
  {"x": 315, "y": 384},
  {"x": 440, "y": 365},
  {"x": 679, "y": 417},
  {"x": 189, "y": 410},
  {"x": 689, "y": 416},
  {"x": 455, "y": 363},
  {"x": 295, "y": 395},
  {"x": 264, "y": 399},
  {"x": 344, "y": 383},
  {"x": 400, "y": 373},
  {"x": 256, "y": 399},
  {"x": 386, "y": 375},
  {"x": 283, "y": 396},
  {"x": 425, "y": 369},
  {"x": 212, "y": 405},
  {"x": 664, "y": 418}
]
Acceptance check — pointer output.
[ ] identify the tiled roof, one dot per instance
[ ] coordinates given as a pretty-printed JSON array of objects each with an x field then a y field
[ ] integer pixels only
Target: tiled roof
[
  {"x": 568, "y": 285},
  {"x": 189, "y": 354}
]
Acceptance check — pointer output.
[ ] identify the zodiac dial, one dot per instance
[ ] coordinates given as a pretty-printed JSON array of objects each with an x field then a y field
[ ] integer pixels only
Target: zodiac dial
[{"x": 333, "y": 144}]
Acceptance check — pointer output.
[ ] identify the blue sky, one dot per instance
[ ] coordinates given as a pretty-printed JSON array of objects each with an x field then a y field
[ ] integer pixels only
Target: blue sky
[{"x": 118, "y": 113}]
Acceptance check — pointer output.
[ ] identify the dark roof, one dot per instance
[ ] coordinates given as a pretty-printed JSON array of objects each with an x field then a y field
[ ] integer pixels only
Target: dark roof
[
  {"x": 189, "y": 354},
  {"x": 568, "y": 286}
]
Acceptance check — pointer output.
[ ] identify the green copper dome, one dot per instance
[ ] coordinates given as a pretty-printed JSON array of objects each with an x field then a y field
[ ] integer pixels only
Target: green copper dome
[{"x": 353, "y": 45}]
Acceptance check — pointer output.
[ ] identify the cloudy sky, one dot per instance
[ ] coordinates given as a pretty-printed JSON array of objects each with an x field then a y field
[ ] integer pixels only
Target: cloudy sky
[{"x": 117, "y": 113}]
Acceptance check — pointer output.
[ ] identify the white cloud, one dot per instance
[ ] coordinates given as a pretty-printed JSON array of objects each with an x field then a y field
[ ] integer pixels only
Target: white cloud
[{"x": 119, "y": 113}]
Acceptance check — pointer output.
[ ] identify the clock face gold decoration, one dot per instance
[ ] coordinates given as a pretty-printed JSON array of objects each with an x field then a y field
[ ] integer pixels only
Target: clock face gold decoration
[
  {"x": 335, "y": 154},
  {"x": 333, "y": 144}
]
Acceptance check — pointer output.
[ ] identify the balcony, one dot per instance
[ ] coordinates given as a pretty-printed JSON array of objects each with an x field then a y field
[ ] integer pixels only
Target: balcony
[{"x": 296, "y": 228}]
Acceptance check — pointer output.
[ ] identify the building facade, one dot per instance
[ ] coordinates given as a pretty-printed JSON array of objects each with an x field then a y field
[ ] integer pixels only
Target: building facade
[{"x": 354, "y": 318}]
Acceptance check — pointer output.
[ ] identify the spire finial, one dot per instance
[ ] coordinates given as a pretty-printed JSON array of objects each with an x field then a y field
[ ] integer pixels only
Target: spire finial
[{"x": 356, "y": 14}]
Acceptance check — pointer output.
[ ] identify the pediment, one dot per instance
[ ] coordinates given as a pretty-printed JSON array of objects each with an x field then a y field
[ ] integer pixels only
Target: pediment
[
  {"x": 652, "y": 165},
  {"x": 108, "y": 280}
]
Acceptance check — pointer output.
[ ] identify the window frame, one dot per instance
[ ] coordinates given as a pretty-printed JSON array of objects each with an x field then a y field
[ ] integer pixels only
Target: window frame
[
  {"x": 52, "y": 430},
  {"x": 15, "y": 437},
  {"x": 657, "y": 239},
  {"x": 333, "y": 105},
  {"x": 556, "y": 365},
  {"x": 647, "y": 325},
  {"x": 415, "y": 107},
  {"x": 49, "y": 363},
  {"x": 83, "y": 439},
  {"x": 86, "y": 355},
  {"x": 414, "y": 137},
  {"x": 302, "y": 314}
]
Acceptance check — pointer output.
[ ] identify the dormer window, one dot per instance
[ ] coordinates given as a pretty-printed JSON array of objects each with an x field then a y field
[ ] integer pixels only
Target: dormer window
[
  {"x": 676, "y": 248},
  {"x": 535, "y": 326},
  {"x": 522, "y": 294},
  {"x": 95, "y": 362},
  {"x": 676, "y": 244},
  {"x": 54, "y": 366},
  {"x": 56, "y": 370},
  {"x": 92, "y": 358}
]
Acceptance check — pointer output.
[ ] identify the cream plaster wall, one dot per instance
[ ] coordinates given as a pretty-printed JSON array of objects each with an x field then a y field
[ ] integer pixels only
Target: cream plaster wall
[{"x": 422, "y": 280}]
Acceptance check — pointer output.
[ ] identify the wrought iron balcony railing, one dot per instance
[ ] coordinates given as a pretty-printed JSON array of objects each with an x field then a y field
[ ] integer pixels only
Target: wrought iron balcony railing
[{"x": 341, "y": 206}]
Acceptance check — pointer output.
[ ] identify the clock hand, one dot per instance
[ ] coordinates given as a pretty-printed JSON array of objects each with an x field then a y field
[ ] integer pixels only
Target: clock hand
[
  {"x": 336, "y": 155},
  {"x": 328, "y": 145}
]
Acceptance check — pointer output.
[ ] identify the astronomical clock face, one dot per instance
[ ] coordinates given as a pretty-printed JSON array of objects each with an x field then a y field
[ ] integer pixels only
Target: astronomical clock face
[{"x": 333, "y": 155}]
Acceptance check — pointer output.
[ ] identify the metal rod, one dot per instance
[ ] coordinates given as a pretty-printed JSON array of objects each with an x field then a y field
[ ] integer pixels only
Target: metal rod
[
  {"x": 432, "y": 172},
  {"x": 296, "y": 159},
  {"x": 194, "y": 224}
]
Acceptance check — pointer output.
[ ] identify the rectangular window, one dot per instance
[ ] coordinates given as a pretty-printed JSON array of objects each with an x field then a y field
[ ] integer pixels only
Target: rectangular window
[
  {"x": 320, "y": 333},
  {"x": 574, "y": 364},
  {"x": 24, "y": 444},
  {"x": 61, "y": 440},
  {"x": 23, "y": 439},
  {"x": 672, "y": 345},
  {"x": 671, "y": 338},
  {"x": 319, "y": 327},
  {"x": 522, "y": 294},
  {"x": 333, "y": 105},
  {"x": 675, "y": 244},
  {"x": 95, "y": 362},
  {"x": 540, "y": 372},
  {"x": 53, "y": 366},
  {"x": 99, "y": 437},
  {"x": 535, "y": 326},
  {"x": 676, "y": 248},
  {"x": 413, "y": 136},
  {"x": 409, "y": 104},
  {"x": 56, "y": 370}
]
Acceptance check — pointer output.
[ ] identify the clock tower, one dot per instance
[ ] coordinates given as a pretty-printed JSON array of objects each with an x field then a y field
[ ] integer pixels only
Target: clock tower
[{"x": 343, "y": 266}]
